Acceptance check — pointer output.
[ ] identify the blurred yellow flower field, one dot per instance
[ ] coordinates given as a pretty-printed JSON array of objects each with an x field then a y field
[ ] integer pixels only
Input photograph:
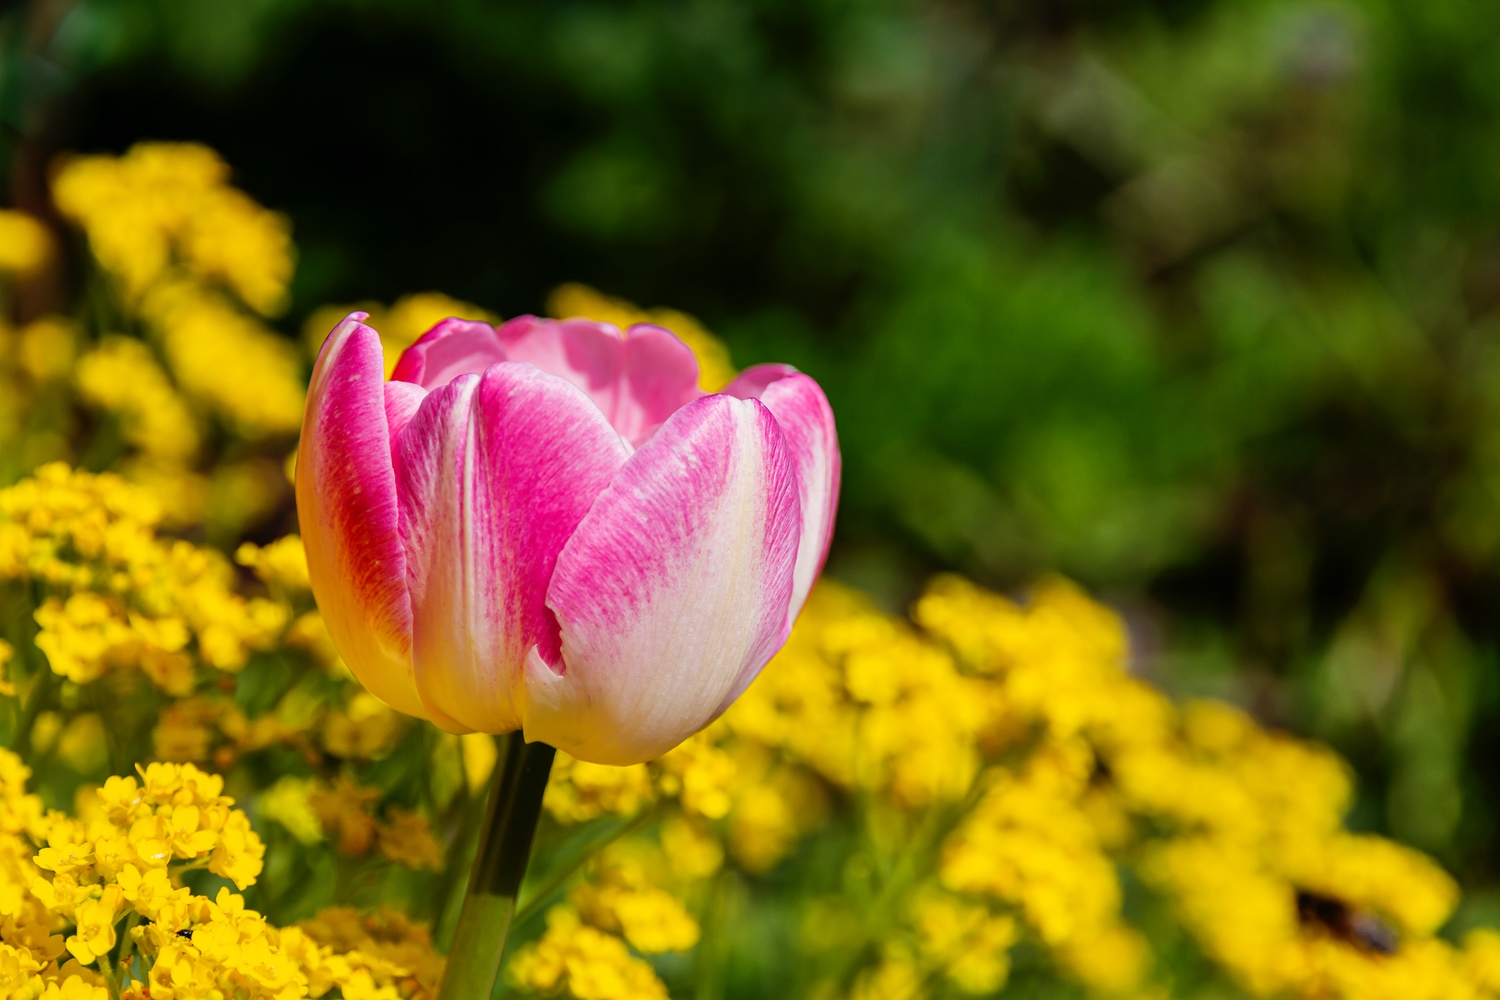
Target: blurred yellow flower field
[{"x": 200, "y": 801}]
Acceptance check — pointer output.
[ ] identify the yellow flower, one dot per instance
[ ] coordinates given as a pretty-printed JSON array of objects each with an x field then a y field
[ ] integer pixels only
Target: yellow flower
[
  {"x": 344, "y": 811},
  {"x": 238, "y": 853},
  {"x": 162, "y": 201},
  {"x": 579, "y": 791},
  {"x": 367, "y": 728},
  {"x": 388, "y": 945},
  {"x": 288, "y": 802},
  {"x": 25, "y": 245},
  {"x": 46, "y": 348},
  {"x": 134, "y": 597},
  {"x": 620, "y": 899},
  {"x": 406, "y": 838},
  {"x": 692, "y": 851},
  {"x": 83, "y": 636},
  {"x": 122, "y": 375},
  {"x": 281, "y": 564},
  {"x": 587, "y": 963},
  {"x": 95, "y": 925},
  {"x": 479, "y": 756},
  {"x": 228, "y": 360},
  {"x": 699, "y": 774}
]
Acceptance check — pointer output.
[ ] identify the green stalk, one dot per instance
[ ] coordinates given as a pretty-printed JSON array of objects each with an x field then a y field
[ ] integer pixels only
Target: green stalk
[{"x": 499, "y": 865}]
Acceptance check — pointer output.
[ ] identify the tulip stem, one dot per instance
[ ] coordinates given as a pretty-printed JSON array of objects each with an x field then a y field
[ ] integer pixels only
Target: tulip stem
[{"x": 515, "y": 805}]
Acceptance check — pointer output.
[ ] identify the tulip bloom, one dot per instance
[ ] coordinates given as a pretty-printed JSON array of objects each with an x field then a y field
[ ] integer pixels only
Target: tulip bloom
[{"x": 548, "y": 526}]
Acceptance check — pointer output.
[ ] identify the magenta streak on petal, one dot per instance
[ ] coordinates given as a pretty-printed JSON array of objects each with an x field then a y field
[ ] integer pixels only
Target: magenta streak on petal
[
  {"x": 638, "y": 378},
  {"x": 674, "y": 586},
  {"x": 452, "y": 348},
  {"x": 495, "y": 474},
  {"x": 802, "y": 411},
  {"x": 347, "y": 506}
]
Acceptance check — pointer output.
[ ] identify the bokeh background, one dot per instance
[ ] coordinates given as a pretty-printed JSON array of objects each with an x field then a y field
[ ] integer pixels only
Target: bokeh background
[{"x": 1195, "y": 301}]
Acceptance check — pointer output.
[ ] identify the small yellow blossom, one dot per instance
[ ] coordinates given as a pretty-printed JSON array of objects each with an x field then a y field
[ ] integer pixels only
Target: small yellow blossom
[
  {"x": 406, "y": 838},
  {"x": 288, "y": 802},
  {"x": 580, "y": 791},
  {"x": 132, "y": 595},
  {"x": 162, "y": 201},
  {"x": 620, "y": 899},
  {"x": 479, "y": 756},
  {"x": 122, "y": 375},
  {"x": 582, "y": 961},
  {"x": 25, "y": 245},
  {"x": 344, "y": 811},
  {"x": 281, "y": 564},
  {"x": 46, "y": 348},
  {"x": 366, "y": 728}
]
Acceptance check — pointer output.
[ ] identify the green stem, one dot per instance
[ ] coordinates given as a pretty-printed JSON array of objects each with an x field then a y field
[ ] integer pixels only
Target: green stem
[
  {"x": 127, "y": 942},
  {"x": 499, "y": 865},
  {"x": 111, "y": 981},
  {"x": 41, "y": 687}
]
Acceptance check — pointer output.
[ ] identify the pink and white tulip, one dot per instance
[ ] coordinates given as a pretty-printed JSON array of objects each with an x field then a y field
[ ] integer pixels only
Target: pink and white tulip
[{"x": 548, "y": 526}]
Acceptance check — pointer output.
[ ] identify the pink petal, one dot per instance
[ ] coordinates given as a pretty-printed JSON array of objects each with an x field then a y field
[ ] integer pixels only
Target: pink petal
[
  {"x": 494, "y": 473},
  {"x": 402, "y": 400},
  {"x": 347, "y": 506},
  {"x": 452, "y": 348},
  {"x": 638, "y": 378},
  {"x": 806, "y": 419},
  {"x": 673, "y": 589}
]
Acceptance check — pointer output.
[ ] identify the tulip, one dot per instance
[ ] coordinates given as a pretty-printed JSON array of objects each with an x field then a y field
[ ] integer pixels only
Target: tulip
[{"x": 546, "y": 526}]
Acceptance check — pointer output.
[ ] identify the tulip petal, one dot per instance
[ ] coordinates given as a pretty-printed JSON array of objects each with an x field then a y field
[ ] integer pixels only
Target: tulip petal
[
  {"x": 802, "y": 410},
  {"x": 673, "y": 588},
  {"x": 347, "y": 506},
  {"x": 638, "y": 378},
  {"x": 402, "y": 399},
  {"x": 494, "y": 473},
  {"x": 452, "y": 348}
]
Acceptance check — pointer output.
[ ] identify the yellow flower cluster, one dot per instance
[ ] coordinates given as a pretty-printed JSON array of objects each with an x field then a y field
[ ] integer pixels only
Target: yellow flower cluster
[
  {"x": 964, "y": 944},
  {"x": 391, "y": 951},
  {"x": 165, "y": 204},
  {"x": 227, "y": 360},
  {"x": 188, "y": 253},
  {"x": 211, "y": 727},
  {"x": 868, "y": 703},
  {"x": 281, "y": 564},
  {"x": 121, "y": 595},
  {"x": 1240, "y": 828},
  {"x": 33, "y": 360},
  {"x": 586, "y": 951},
  {"x": 120, "y": 862},
  {"x": 121, "y": 375},
  {"x": 583, "y": 962},
  {"x": 619, "y": 898},
  {"x": 1021, "y": 748},
  {"x": 714, "y": 368},
  {"x": 344, "y": 811}
]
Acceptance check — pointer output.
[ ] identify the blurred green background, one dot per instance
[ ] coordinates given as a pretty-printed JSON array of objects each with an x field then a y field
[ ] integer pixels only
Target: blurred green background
[{"x": 1196, "y": 301}]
